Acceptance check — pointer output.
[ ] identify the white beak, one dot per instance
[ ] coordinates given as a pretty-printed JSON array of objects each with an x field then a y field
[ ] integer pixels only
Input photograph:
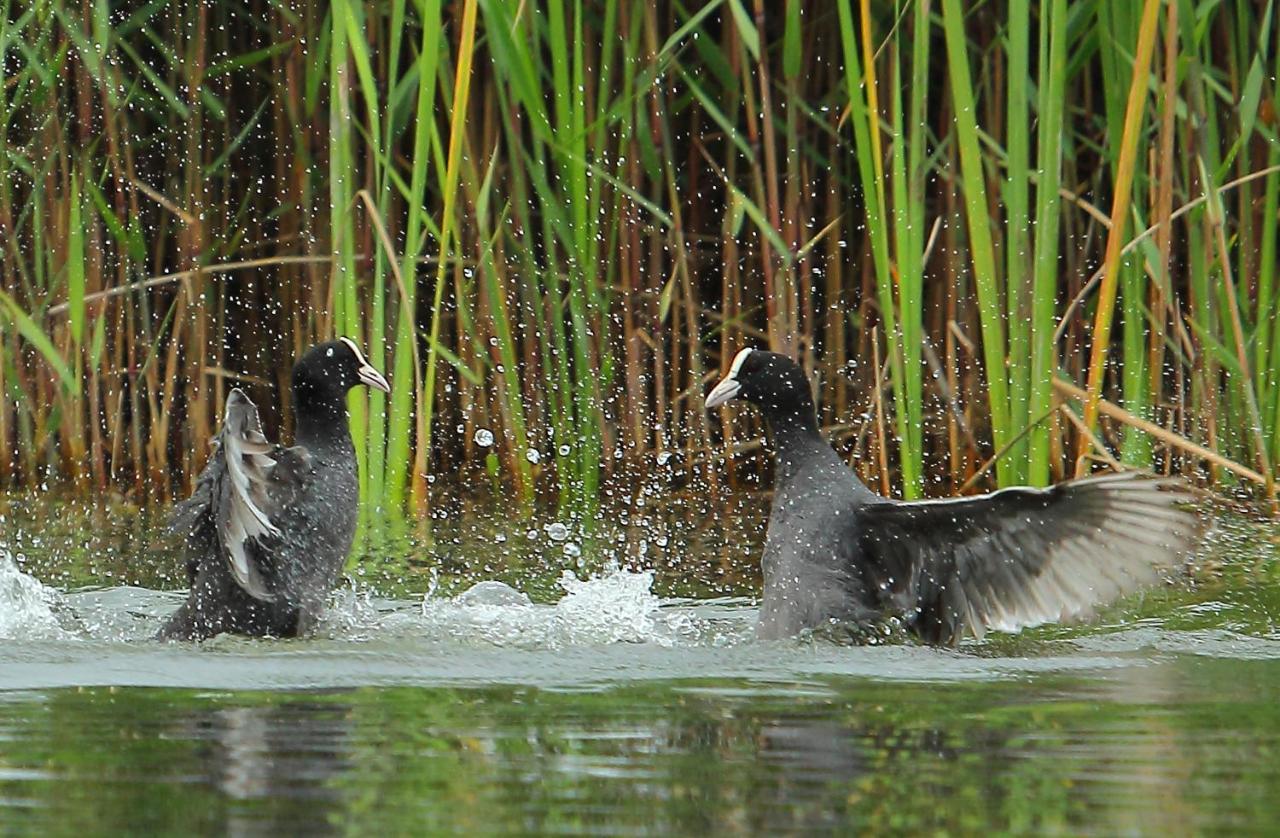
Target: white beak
[
  {"x": 725, "y": 391},
  {"x": 729, "y": 386},
  {"x": 368, "y": 375}
]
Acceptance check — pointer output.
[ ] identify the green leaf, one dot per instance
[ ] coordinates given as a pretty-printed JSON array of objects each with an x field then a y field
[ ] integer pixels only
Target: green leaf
[
  {"x": 746, "y": 28},
  {"x": 712, "y": 110},
  {"x": 75, "y": 263},
  {"x": 737, "y": 212},
  {"x": 30, "y": 331},
  {"x": 792, "y": 48},
  {"x": 318, "y": 66},
  {"x": 473, "y": 377},
  {"x": 1250, "y": 96},
  {"x": 669, "y": 45},
  {"x": 248, "y": 59},
  {"x": 113, "y": 225},
  {"x": 89, "y": 51},
  {"x": 99, "y": 339},
  {"x": 668, "y": 294},
  {"x": 166, "y": 92},
  {"x": 140, "y": 18},
  {"x": 101, "y": 26},
  {"x": 766, "y": 229},
  {"x": 137, "y": 240},
  {"x": 359, "y": 48},
  {"x": 238, "y": 141}
]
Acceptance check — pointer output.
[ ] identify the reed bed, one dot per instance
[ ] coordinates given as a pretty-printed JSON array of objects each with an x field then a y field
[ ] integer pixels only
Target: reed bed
[{"x": 554, "y": 222}]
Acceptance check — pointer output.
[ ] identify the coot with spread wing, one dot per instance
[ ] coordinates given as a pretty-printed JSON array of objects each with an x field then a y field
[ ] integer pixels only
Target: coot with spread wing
[
  {"x": 268, "y": 528},
  {"x": 837, "y": 555}
]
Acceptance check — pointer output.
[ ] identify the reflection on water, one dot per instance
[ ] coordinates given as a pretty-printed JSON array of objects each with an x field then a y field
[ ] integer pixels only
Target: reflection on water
[
  {"x": 1053, "y": 753},
  {"x": 598, "y": 699}
]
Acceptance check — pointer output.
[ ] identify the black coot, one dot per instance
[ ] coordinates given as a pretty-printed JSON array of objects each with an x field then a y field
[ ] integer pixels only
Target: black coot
[
  {"x": 268, "y": 528},
  {"x": 837, "y": 555}
]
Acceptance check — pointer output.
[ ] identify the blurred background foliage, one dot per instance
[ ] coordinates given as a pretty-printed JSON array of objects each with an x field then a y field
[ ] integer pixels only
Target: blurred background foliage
[{"x": 1006, "y": 238}]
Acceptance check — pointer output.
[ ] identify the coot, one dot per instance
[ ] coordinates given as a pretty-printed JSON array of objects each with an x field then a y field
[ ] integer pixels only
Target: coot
[
  {"x": 268, "y": 528},
  {"x": 839, "y": 557}
]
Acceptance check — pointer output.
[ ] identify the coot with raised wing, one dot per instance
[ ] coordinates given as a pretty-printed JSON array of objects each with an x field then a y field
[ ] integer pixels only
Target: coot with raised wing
[
  {"x": 839, "y": 557},
  {"x": 268, "y": 528}
]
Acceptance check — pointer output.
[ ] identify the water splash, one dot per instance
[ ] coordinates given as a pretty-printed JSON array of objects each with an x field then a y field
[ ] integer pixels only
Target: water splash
[
  {"x": 618, "y": 606},
  {"x": 28, "y": 609}
]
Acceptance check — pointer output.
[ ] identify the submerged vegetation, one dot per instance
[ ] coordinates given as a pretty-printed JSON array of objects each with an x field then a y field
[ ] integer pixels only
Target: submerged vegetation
[{"x": 1005, "y": 238}]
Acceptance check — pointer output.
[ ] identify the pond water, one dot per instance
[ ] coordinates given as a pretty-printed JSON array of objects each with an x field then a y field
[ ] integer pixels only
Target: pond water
[{"x": 626, "y": 694}]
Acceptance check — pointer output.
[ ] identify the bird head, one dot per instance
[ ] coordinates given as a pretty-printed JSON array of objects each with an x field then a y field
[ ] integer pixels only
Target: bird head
[
  {"x": 774, "y": 383},
  {"x": 336, "y": 366}
]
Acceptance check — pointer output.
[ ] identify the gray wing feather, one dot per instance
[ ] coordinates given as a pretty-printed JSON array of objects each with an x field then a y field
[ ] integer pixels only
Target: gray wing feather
[
  {"x": 247, "y": 480},
  {"x": 1022, "y": 557},
  {"x": 241, "y": 516}
]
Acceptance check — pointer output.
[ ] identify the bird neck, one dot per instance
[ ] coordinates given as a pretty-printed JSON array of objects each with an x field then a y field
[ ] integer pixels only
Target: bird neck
[
  {"x": 795, "y": 434},
  {"x": 321, "y": 417}
]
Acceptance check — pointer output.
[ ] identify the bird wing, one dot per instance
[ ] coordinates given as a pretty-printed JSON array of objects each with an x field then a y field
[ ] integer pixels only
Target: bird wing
[
  {"x": 1021, "y": 557},
  {"x": 240, "y": 493}
]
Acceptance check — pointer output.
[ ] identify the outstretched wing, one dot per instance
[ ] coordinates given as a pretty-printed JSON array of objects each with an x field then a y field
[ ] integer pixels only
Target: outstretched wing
[
  {"x": 247, "y": 481},
  {"x": 1021, "y": 557}
]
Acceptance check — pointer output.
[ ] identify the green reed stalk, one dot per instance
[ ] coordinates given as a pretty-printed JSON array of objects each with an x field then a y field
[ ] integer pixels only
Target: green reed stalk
[
  {"x": 911, "y": 254},
  {"x": 907, "y": 182},
  {"x": 1124, "y": 176},
  {"x": 1267, "y": 354},
  {"x": 1118, "y": 26},
  {"x": 510, "y": 390},
  {"x": 570, "y": 221},
  {"x": 865, "y": 120},
  {"x": 1019, "y": 276},
  {"x": 1268, "y": 341},
  {"x": 1052, "y": 106},
  {"x": 457, "y": 119},
  {"x": 981, "y": 250},
  {"x": 514, "y": 59},
  {"x": 541, "y": 350},
  {"x": 347, "y": 312},
  {"x": 569, "y": 141},
  {"x": 1265, "y": 311},
  {"x": 368, "y": 322},
  {"x": 407, "y": 411}
]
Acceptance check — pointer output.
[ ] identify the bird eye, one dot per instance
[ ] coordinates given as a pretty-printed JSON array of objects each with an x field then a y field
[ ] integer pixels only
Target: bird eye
[{"x": 329, "y": 353}]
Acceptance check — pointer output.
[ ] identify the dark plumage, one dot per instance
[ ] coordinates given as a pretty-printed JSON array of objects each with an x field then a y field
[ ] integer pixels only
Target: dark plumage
[
  {"x": 837, "y": 555},
  {"x": 268, "y": 528}
]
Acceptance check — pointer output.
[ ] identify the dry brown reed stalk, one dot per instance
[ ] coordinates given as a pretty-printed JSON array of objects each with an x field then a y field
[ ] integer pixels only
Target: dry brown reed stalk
[{"x": 1200, "y": 452}]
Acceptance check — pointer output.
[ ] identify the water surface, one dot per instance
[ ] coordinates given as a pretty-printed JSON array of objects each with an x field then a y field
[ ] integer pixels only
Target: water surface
[{"x": 624, "y": 694}]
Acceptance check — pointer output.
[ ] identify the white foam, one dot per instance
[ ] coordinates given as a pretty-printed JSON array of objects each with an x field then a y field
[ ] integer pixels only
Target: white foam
[
  {"x": 28, "y": 610},
  {"x": 618, "y": 606},
  {"x": 351, "y": 613}
]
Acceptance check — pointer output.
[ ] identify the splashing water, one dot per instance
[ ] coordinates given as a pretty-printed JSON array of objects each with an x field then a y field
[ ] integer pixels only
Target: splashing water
[
  {"x": 618, "y": 606},
  {"x": 28, "y": 610}
]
